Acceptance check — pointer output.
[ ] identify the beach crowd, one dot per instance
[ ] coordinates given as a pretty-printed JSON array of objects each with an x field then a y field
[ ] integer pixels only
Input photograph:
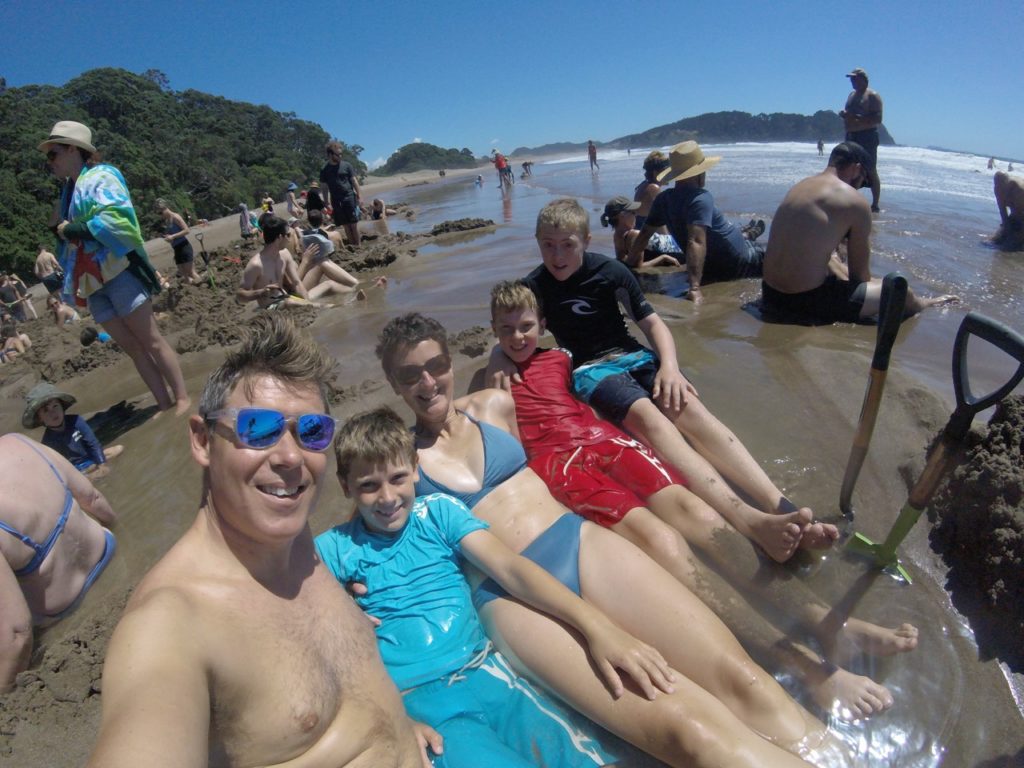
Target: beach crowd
[{"x": 578, "y": 535}]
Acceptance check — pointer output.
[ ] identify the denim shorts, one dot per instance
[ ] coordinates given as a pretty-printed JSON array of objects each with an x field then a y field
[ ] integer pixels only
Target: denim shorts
[{"x": 117, "y": 298}]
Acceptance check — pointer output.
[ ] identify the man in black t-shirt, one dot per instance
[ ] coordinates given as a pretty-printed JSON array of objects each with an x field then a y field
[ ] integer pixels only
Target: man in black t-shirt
[{"x": 340, "y": 178}]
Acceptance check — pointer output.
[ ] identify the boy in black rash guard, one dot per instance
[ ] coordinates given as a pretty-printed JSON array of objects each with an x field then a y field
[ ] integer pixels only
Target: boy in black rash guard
[{"x": 643, "y": 390}]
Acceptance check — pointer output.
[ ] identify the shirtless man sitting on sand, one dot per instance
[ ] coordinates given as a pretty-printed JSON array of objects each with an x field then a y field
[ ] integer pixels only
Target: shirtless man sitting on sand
[
  {"x": 272, "y": 278},
  {"x": 239, "y": 648},
  {"x": 804, "y": 280},
  {"x": 1009, "y": 193}
]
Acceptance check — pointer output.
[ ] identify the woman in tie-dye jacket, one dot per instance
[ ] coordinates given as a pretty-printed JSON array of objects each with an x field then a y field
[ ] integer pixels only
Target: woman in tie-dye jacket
[{"x": 104, "y": 259}]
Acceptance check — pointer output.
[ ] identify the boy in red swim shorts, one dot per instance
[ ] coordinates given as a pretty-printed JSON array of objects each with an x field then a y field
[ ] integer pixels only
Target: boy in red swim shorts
[{"x": 590, "y": 466}]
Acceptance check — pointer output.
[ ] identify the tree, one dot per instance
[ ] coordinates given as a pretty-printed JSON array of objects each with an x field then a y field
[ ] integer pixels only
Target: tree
[
  {"x": 200, "y": 152},
  {"x": 159, "y": 79}
]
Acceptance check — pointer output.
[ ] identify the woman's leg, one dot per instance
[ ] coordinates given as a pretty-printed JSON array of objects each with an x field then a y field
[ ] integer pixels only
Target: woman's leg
[
  {"x": 646, "y": 600},
  {"x": 676, "y": 513},
  {"x": 138, "y": 335},
  {"x": 689, "y": 727}
]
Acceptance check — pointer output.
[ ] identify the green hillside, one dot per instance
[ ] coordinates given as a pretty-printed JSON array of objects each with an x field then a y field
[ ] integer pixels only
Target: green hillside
[
  {"x": 202, "y": 153},
  {"x": 421, "y": 156},
  {"x": 725, "y": 128}
]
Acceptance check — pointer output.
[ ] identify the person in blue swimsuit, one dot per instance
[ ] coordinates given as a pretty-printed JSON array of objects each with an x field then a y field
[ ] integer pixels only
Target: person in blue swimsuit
[
  {"x": 409, "y": 552},
  {"x": 66, "y": 433},
  {"x": 467, "y": 448},
  {"x": 52, "y": 547}
]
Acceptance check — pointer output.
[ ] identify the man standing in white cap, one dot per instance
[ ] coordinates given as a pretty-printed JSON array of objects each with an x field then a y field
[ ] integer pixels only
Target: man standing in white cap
[
  {"x": 716, "y": 249},
  {"x": 862, "y": 116}
]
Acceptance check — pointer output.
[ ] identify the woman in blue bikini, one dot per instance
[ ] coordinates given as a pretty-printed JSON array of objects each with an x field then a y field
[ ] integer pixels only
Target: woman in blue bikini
[
  {"x": 725, "y": 709},
  {"x": 52, "y": 551}
]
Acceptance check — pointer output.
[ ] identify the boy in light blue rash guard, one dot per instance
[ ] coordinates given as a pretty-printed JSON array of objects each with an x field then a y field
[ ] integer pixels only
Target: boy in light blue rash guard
[{"x": 408, "y": 552}]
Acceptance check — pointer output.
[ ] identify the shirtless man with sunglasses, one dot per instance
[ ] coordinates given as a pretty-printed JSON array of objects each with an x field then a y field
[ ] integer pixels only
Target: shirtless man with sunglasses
[{"x": 239, "y": 648}]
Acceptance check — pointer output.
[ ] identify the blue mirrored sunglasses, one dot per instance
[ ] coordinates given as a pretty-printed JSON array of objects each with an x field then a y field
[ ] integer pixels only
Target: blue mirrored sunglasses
[{"x": 262, "y": 427}]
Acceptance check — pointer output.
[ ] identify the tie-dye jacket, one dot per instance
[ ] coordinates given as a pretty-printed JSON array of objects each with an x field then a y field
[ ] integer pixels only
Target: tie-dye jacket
[{"x": 100, "y": 200}]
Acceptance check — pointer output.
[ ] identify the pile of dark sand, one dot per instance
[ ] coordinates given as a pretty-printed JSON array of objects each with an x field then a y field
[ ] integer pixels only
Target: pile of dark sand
[
  {"x": 460, "y": 225},
  {"x": 979, "y": 530},
  {"x": 191, "y": 317},
  {"x": 61, "y": 688}
]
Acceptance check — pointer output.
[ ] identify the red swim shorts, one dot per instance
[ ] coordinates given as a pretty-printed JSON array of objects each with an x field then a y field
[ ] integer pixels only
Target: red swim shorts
[{"x": 603, "y": 481}]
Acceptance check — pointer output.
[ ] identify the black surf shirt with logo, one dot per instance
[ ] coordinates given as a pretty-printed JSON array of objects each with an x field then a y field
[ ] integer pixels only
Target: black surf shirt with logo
[{"x": 584, "y": 312}]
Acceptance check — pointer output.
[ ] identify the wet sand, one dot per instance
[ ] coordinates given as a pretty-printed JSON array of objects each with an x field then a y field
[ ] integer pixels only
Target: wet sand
[{"x": 791, "y": 394}]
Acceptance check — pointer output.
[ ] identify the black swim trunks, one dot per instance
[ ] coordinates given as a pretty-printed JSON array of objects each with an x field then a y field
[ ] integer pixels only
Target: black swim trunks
[
  {"x": 183, "y": 253},
  {"x": 345, "y": 212},
  {"x": 834, "y": 301},
  {"x": 867, "y": 139},
  {"x": 54, "y": 281}
]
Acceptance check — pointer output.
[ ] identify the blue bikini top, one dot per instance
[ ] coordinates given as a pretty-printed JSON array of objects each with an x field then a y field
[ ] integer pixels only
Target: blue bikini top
[
  {"x": 41, "y": 550},
  {"x": 503, "y": 457}
]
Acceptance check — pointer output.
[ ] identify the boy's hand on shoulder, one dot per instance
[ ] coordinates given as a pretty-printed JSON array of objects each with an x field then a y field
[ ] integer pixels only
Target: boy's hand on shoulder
[
  {"x": 501, "y": 380},
  {"x": 358, "y": 589},
  {"x": 613, "y": 649}
]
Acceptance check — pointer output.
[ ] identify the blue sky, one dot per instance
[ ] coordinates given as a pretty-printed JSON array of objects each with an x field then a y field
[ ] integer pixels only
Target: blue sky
[{"x": 480, "y": 74}]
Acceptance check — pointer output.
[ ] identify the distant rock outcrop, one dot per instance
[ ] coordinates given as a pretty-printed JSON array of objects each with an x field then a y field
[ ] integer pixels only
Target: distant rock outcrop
[
  {"x": 725, "y": 128},
  {"x": 420, "y": 156}
]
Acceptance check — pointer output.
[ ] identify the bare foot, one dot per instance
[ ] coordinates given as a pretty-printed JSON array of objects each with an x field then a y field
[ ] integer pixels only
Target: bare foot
[
  {"x": 779, "y": 535},
  {"x": 862, "y": 637},
  {"x": 380, "y": 282},
  {"x": 819, "y": 535},
  {"x": 938, "y": 301},
  {"x": 112, "y": 451},
  {"x": 848, "y": 696},
  {"x": 182, "y": 406},
  {"x": 96, "y": 471}
]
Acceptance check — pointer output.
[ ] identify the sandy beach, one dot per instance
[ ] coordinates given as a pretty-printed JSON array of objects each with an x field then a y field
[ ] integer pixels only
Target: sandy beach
[{"x": 52, "y": 717}]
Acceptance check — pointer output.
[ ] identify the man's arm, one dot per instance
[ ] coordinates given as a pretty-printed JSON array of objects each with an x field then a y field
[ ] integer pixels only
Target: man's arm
[
  {"x": 355, "y": 185},
  {"x": 156, "y": 696},
  {"x": 15, "y": 628},
  {"x": 610, "y": 646},
  {"x": 871, "y": 117},
  {"x": 1000, "y": 183},
  {"x": 291, "y": 272},
  {"x": 858, "y": 246},
  {"x": 635, "y": 256},
  {"x": 251, "y": 274},
  {"x": 670, "y": 386},
  {"x": 696, "y": 253}
]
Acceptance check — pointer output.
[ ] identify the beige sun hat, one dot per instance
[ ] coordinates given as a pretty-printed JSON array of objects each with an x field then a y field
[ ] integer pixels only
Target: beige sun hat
[
  {"x": 686, "y": 160},
  {"x": 38, "y": 396},
  {"x": 70, "y": 132}
]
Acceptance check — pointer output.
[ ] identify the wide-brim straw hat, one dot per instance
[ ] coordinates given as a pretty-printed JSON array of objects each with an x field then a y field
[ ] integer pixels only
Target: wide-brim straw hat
[
  {"x": 70, "y": 132},
  {"x": 38, "y": 396},
  {"x": 686, "y": 160}
]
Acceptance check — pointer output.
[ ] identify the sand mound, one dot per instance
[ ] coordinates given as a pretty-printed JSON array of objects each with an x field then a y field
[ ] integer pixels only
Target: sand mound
[
  {"x": 460, "y": 225},
  {"x": 62, "y": 688},
  {"x": 979, "y": 529}
]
